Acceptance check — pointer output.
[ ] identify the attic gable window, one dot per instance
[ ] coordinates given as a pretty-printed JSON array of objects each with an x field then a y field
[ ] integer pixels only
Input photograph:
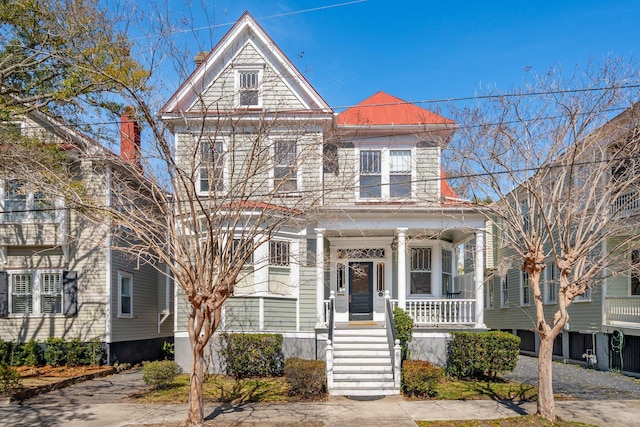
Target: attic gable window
[{"x": 248, "y": 87}]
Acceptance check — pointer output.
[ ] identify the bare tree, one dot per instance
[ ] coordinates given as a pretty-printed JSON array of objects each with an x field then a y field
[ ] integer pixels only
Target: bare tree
[{"x": 565, "y": 176}]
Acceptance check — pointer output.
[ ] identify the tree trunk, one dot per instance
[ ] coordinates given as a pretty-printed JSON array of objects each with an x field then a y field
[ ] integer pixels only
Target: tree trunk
[
  {"x": 196, "y": 406},
  {"x": 546, "y": 404}
]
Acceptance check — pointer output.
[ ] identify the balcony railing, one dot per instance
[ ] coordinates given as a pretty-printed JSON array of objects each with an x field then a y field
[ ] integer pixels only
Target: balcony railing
[
  {"x": 622, "y": 311},
  {"x": 626, "y": 204},
  {"x": 434, "y": 312}
]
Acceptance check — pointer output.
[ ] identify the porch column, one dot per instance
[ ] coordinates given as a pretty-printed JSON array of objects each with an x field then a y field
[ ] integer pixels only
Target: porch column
[
  {"x": 402, "y": 268},
  {"x": 320, "y": 321},
  {"x": 479, "y": 280}
]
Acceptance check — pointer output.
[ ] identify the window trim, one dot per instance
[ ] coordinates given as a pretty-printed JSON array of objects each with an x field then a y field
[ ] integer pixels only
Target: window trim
[
  {"x": 200, "y": 141},
  {"x": 550, "y": 267},
  {"x": 504, "y": 292},
  {"x": 238, "y": 90},
  {"x": 525, "y": 289},
  {"x": 278, "y": 256},
  {"x": 121, "y": 275},
  {"x": 30, "y": 216},
  {"x": 429, "y": 270},
  {"x": 385, "y": 173},
  {"x": 296, "y": 167}
]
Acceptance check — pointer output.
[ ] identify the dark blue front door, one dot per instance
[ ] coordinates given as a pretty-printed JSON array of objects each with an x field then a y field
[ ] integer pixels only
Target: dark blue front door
[{"x": 360, "y": 291}]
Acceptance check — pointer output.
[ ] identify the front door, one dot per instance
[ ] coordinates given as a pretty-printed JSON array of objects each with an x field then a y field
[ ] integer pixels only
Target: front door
[{"x": 360, "y": 291}]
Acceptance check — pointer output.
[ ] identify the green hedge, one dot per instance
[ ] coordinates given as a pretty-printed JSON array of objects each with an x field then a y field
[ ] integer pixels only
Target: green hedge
[
  {"x": 420, "y": 378},
  {"x": 307, "y": 379},
  {"x": 252, "y": 355},
  {"x": 482, "y": 354},
  {"x": 56, "y": 352}
]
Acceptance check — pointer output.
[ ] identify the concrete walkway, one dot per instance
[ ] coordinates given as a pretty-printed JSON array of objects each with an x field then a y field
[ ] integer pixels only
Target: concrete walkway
[{"x": 102, "y": 402}]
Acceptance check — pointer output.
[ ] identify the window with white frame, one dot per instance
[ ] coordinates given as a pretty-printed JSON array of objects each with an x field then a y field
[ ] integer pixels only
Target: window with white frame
[
  {"x": 34, "y": 292},
  {"x": 421, "y": 271},
  {"x": 240, "y": 248},
  {"x": 285, "y": 166},
  {"x": 279, "y": 253},
  {"x": 552, "y": 275},
  {"x": 447, "y": 270},
  {"x": 211, "y": 166},
  {"x": 488, "y": 294},
  {"x": 504, "y": 292},
  {"x": 125, "y": 294},
  {"x": 21, "y": 204},
  {"x": 248, "y": 85},
  {"x": 385, "y": 174},
  {"x": 524, "y": 289},
  {"x": 526, "y": 216}
]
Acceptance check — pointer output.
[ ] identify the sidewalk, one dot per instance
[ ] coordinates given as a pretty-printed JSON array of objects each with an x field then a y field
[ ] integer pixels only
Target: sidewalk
[{"x": 102, "y": 402}]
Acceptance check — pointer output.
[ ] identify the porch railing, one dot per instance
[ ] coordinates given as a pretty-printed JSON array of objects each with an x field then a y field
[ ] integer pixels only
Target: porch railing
[
  {"x": 626, "y": 204},
  {"x": 622, "y": 310},
  {"x": 432, "y": 312},
  {"x": 394, "y": 343}
]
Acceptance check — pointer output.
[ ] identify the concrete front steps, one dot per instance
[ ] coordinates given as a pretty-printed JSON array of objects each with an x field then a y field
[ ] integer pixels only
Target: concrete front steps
[{"x": 362, "y": 363}]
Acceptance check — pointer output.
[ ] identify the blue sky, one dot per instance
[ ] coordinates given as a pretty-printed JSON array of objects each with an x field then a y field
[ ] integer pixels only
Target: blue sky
[{"x": 425, "y": 50}]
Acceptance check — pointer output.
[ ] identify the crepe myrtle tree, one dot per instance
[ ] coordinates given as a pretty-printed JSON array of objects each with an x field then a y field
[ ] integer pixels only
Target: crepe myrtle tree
[{"x": 560, "y": 157}]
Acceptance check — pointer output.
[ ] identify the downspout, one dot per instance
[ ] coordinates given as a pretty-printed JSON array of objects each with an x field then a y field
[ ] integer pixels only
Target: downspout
[
  {"x": 166, "y": 311},
  {"x": 108, "y": 270}
]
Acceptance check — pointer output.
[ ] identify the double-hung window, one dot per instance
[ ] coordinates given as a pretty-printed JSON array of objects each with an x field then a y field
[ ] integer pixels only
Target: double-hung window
[
  {"x": 285, "y": 166},
  {"x": 385, "y": 174},
  {"x": 504, "y": 292},
  {"x": 125, "y": 294},
  {"x": 211, "y": 166},
  {"x": 248, "y": 85},
  {"x": 421, "y": 271},
  {"x": 22, "y": 204},
  {"x": 524, "y": 292},
  {"x": 447, "y": 270}
]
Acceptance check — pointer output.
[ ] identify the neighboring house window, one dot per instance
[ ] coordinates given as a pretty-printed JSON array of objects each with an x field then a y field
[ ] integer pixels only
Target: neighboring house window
[
  {"x": 385, "y": 174},
  {"x": 212, "y": 166},
  {"x": 279, "y": 253},
  {"x": 400, "y": 173},
  {"x": 421, "y": 271},
  {"x": 635, "y": 272},
  {"x": 526, "y": 217},
  {"x": 21, "y": 204},
  {"x": 370, "y": 174},
  {"x": 249, "y": 88},
  {"x": 447, "y": 270},
  {"x": 285, "y": 174},
  {"x": 524, "y": 292},
  {"x": 552, "y": 277},
  {"x": 38, "y": 292},
  {"x": 125, "y": 294},
  {"x": 504, "y": 294},
  {"x": 488, "y": 294}
]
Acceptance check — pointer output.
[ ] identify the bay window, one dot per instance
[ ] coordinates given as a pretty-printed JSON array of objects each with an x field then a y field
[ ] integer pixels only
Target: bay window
[{"x": 421, "y": 271}]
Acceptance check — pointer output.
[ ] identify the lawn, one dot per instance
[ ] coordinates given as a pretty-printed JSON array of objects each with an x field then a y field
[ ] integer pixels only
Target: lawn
[
  {"x": 484, "y": 390},
  {"x": 522, "y": 421}
]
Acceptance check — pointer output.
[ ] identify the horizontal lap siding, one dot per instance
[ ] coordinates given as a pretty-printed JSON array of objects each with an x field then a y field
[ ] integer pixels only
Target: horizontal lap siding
[
  {"x": 307, "y": 299},
  {"x": 242, "y": 314},
  {"x": 279, "y": 314}
]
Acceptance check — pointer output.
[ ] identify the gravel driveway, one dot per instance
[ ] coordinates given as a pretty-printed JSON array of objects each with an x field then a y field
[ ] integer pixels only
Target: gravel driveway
[{"x": 578, "y": 382}]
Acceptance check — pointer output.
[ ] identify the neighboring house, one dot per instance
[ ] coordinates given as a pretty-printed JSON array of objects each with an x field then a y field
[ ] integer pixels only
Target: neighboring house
[
  {"x": 388, "y": 226},
  {"x": 604, "y": 323},
  {"x": 59, "y": 276}
]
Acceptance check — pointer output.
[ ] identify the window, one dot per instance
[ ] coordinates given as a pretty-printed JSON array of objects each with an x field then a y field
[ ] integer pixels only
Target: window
[
  {"x": 421, "y": 270},
  {"x": 385, "y": 174},
  {"x": 370, "y": 174},
  {"x": 285, "y": 176},
  {"x": 211, "y": 166},
  {"x": 488, "y": 294},
  {"x": 635, "y": 272},
  {"x": 125, "y": 294},
  {"x": 552, "y": 277},
  {"x": 524, "y": 291},
  {"x": 21, "y": 204},
  {"x": 526, "y": 216},
  {"x": 447, "y": 270},
  {"x": 380, "y": 276},
  {"x": 400, "y": 173},
  {"x": 279, "y": 253},
  {"x": 340, "y": 280},
  {"x": 236, "y": 247},
  {"x": 249, "y": 88},
  {"x": 504, "y": 295},
  {"x": 34, "y": 292}
]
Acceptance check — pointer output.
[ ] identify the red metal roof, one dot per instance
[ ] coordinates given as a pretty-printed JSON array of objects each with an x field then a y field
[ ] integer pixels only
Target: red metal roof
[
  {"x": 445, "y": 188},
  {"x": 385, "y": 109}
]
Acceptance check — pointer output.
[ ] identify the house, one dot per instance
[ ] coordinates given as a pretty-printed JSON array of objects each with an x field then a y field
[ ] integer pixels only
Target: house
[
  {"x": 379, "y": 225},
  {"x": 604, "y": 323},
  {"x": 59, "y": 273}
]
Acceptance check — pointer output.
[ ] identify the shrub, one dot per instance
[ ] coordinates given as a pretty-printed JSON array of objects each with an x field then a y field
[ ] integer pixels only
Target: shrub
[
  {"x": 96, "y": 352},
  {"x": 252, "y": 355},
  {"x": 169, "y": 350},
  {"x": 32, "y": 353},
  {"x": 78, "y": 353},
  {"x": 9, "y": 379},
  {"x": 482, "y": 354},
  {"x": 55, "y": 353},
  {"x": 16, "y": 355},
  {"x": 420, "y": 378},
  {"x": 307, "y": 379},
  {"x": 404, "y": 330},
  {"x": 161, "y": 373},
  {"x": 6, "y": 352}
]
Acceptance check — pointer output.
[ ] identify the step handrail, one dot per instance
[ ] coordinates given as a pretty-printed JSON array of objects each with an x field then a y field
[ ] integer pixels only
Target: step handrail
[
  {"x": 394, "y": 343},
  {"x": 331, "y": 326}
]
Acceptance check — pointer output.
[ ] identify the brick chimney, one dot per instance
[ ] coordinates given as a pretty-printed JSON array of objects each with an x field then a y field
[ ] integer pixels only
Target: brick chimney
[{"x": 130, "y": 138}]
